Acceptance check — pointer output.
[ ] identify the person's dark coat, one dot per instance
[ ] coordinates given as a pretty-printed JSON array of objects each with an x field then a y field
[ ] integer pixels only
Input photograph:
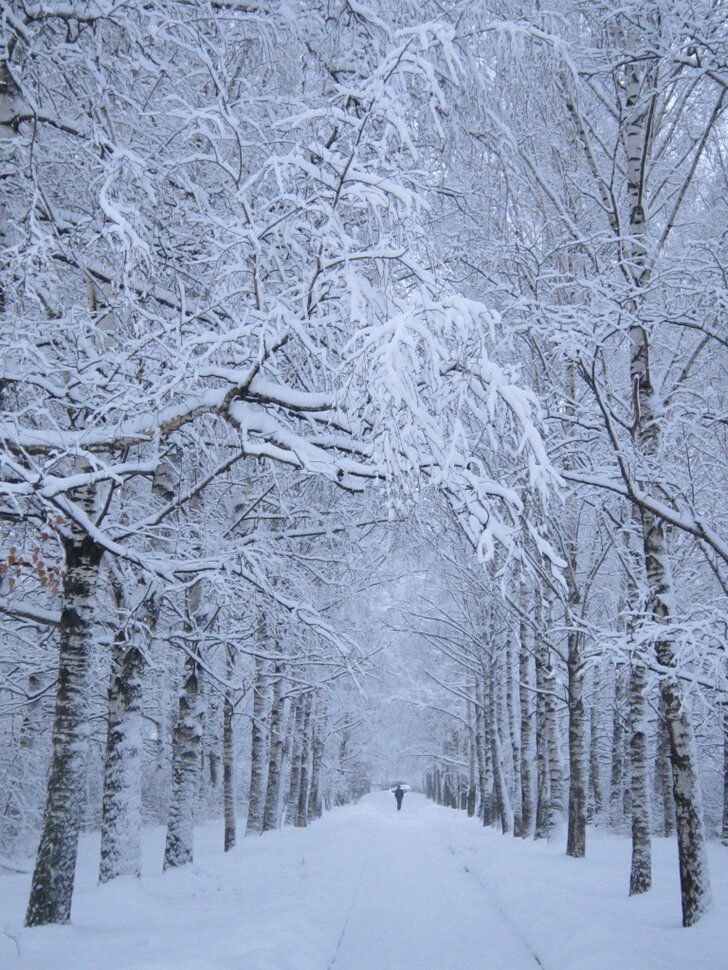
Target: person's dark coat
[{"x": 399, "y": 795}]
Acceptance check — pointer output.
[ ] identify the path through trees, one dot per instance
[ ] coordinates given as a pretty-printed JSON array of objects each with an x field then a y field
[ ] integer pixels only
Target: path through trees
[{"x": 370, "y": 888}]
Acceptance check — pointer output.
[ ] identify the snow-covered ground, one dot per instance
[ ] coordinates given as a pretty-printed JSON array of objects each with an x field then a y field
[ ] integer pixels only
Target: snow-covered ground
[{"x": 368, "y": 888}]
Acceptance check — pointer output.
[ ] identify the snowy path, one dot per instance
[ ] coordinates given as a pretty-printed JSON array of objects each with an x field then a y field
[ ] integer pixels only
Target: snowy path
[
  {"x": 417, "y": 906},
  {"x": 366, "y": 888}
]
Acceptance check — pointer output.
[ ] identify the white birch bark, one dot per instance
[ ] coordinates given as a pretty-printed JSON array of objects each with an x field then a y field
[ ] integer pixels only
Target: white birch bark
[
  {"x": 640, "y": 879},
  {"x": 296, "y": 748},
  {"x": 122, "y": 797},
  {"x": 514, "y": 735},
  {"x": 555, "y": 771},
  {"x": 258, "y": 748},
  {"x": 472, "y": 784},
  {"x": 228, "y": 772},
  {"x": 186, "y": 743},
  {"x": 315, "y": 805},
  {"x": 724, "y": 831},
  {"x": 543, "y": 793},
  {"x": 528, "y": 716},
  {"x": 500, "y": 786},
  {"x": 694, "y": 877},
  {"x": 271, "y": 811},
  {"x": 595, "y": 735},
  {"x": 228, "y": 757},
  {"x": 301, "y": 810},
  {"x": 663, "y": 774},
  {"x": 576, "y": 833},
  {"x": 616, "y": 784},
  {"x": 480, "y": 753}
]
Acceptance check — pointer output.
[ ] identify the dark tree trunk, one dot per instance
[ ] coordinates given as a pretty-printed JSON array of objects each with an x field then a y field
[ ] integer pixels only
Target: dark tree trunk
[
  {"x": 228, "y": 770},
  {"x": 55, "y": 864}
]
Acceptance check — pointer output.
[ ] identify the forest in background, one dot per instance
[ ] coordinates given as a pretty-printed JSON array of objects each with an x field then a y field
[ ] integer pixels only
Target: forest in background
[{"x": 363, "y": 392}]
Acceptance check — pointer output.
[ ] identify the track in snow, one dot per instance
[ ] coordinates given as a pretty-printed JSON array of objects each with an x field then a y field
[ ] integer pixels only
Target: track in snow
[
  {"x": 367, "y": 888},
  {"x": 416, "y": 905}
]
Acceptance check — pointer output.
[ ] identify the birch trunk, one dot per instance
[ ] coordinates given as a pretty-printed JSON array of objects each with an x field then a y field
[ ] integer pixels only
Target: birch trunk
[
  {"x": 228, "y": 770},
  {"x": 616, "y": 785},
  {"x": 258, "y": 749},
  {"x": 663, "y": 774},
  {"x": 55, "y": 865},
  {"x": 301, "y": 811},
  {"x": 10, "y": 106},
  {"x": 488, "y": 805},
  {"x": 543, "y": 814},
  {"x": 576, "y": 834},
  {"x": 472, "y": 792},
  {"x": 725, "y": 777},
  {"x": 317, "y": 760},
  {"x": 694, "y": 878},
  {"x": 595, "y": 764},
  {"x": 294, "y": 782},
  {"x": 511, "y": 671},
  {"x": 500, "y": 787},
  {"x": 525, "y": 664},
  {"x": 556, "y": 781},
  {"x": 640, "y": 879},
  {"x": 121, "y": 816},
  {"x": 186, "y": 742},
  {"x": 271, "y": 811},
  {"x": 480, "y": 752}
]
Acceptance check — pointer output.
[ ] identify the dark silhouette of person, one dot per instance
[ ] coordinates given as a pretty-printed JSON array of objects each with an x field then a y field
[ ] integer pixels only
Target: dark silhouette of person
[{"x": 399, "y": 795}]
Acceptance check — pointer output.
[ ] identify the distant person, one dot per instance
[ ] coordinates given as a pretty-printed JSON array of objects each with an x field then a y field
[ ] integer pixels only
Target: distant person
[{"x": 399, "y": 795}]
